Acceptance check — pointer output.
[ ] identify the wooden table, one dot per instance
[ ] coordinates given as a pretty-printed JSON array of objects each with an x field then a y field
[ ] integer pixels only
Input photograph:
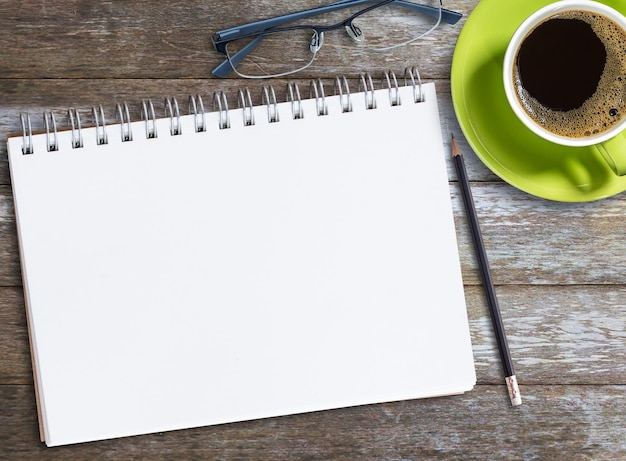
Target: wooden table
[{"x": 559, "y": 268}]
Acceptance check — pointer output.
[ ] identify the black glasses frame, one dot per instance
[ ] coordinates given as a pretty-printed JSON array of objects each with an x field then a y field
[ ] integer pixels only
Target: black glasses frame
[{"x": 260, "y": 29}]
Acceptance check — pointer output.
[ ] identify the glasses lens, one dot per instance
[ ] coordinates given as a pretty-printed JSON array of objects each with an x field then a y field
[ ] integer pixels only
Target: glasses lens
[
  {"x": 393, "y": 25},
  {"x": 273, "y": 53}
]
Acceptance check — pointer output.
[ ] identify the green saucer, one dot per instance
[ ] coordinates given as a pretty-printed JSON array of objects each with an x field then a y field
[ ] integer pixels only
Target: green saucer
[{"x": 500, "y": 140}]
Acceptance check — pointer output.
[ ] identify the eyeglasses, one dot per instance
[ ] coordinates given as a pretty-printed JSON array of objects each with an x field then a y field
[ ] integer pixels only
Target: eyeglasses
[{"x": 269, "y": 48}]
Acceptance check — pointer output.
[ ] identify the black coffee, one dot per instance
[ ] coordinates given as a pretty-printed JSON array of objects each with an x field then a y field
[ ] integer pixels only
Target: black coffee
[
  {"x": 570, "y": 74},
  {"x": 560, "y": 63}
]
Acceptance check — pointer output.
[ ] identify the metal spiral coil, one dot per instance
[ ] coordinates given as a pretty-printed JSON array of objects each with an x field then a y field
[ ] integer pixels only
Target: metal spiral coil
[
  {"x": 172, "y": 111},
  {"x": 27, "y": 134},
  {"x": 345, "y": 98},
  {"x": 220, "y": 103},
  {"x": 148, "y": 115},
  {"x": 392, "y": 86},
  {"x": 367, "y": 86},
  {"x": 199, "y": 119},
  {"x": 50, "y": 122},
  {"x": 293, "y": 96},
  {"x": 412, "y": 74},
  {"x": 245, "y": 103},
  {"x": 123, "y": 116},
  {"x": 77, "y": 131},
  {"x": 220, "y": 106},
  {"x": 317, "y": 91},
  {"x": 269, "y": 99},
  {"x": 100, "y": 125}
]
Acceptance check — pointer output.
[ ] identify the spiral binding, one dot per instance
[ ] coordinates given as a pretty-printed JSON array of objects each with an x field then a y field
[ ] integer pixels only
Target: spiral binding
[
  {"x": 317, "y": 91},
  {"x": 27, "y": 135},
  {"x": 366, "y": 85},
  {"x": 245, "y": 103},
  {"x": 77, "y": 132},
  {"x": 172, "y": 111},
  {"x": 100, "y": 125},
  {"x": 293, "y": 96},
  {"x": 50, "y": 121},
  {"x": 345, "y": 99},
  {"x": 148, "y": 115},
  {"x": 269, "y": 99},
  {"x": 195, "y": 105},
  {"x": 413, "y": 75},
  {"x": 123, "y": 115},
  {"x": 220, "y": 105},
  {"x": 394, "y": 91}
]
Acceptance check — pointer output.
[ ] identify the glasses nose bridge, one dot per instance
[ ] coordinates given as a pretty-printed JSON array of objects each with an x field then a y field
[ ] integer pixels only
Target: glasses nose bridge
[{"x": 352, "y": 30}]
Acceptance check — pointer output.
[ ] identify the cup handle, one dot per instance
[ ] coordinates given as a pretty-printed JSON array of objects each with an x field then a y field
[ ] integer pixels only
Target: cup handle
[{"x": 614, "y": 153}]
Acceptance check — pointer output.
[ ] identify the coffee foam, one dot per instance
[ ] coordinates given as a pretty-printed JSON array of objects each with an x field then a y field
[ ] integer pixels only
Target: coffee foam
[{"x": 607, "y": 106}]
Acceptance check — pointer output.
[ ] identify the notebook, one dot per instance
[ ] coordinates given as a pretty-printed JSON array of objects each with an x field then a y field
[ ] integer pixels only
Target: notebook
[{"x": 241, "y": 262}]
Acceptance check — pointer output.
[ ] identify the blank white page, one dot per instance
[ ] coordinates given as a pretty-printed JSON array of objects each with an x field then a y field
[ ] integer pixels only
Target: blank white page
[{"x": 242, "y": 273}]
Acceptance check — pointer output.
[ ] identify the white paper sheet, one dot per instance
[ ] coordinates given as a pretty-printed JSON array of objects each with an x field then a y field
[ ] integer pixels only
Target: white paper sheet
[{"x": 242, "y": 273}]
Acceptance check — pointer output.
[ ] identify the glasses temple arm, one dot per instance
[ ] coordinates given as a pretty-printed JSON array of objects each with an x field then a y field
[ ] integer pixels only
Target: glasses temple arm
[
  {"x": 226, "y": 67},
  {"x": 259, "y": 26},
  {"x": 448, "y": 16}
]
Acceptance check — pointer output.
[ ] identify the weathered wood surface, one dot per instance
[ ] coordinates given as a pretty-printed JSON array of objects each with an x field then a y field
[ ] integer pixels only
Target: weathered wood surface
[
  {"x": 589, "y": 427},
  {"x": 559, "y": 268},
  {"x": 558, "y": 335},
  {"x": 172, "y": 39},
  {"x": 529, "y": 241}
]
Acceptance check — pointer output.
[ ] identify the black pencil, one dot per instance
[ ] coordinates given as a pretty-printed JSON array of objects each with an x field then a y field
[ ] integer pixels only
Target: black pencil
[{"x": 481, "y": 254}]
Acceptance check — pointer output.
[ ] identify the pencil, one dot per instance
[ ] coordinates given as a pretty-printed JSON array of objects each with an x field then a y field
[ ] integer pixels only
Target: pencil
[{"x": 483, "y": 263}]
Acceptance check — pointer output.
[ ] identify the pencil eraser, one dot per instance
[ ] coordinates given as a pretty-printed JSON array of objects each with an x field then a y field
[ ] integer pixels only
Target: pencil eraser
[{"x": 513, "y": 388}]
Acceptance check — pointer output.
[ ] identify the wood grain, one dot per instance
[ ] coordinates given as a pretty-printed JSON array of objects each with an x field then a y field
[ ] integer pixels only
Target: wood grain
[
  {"x": 557, "y": 334},
  {"x": 519, "y": 233},
  {"x": 118, "y": 39},
  {"x": 590, "y": 427},
  {"x": 558, "y": 267}
]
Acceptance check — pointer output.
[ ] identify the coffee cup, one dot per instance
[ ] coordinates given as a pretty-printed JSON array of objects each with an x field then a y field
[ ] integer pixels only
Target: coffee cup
[{"x": 565, "y": 77}]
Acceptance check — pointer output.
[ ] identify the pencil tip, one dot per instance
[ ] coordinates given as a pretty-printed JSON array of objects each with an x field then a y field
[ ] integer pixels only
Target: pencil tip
[{"x": 455, "y": 147}]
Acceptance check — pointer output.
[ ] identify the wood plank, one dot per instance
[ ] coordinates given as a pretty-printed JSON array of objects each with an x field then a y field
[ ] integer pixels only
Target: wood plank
[
  {"x": 169, "y": 39},
  {"x": 555, "y": 422},
  {"x": 15, "y": 366},
  {"x": 519, "y": 234},
  {"x": 534, "y": 241},
  {"x": 557, "y": 334},
  {"x": 10, "y": 271}
]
